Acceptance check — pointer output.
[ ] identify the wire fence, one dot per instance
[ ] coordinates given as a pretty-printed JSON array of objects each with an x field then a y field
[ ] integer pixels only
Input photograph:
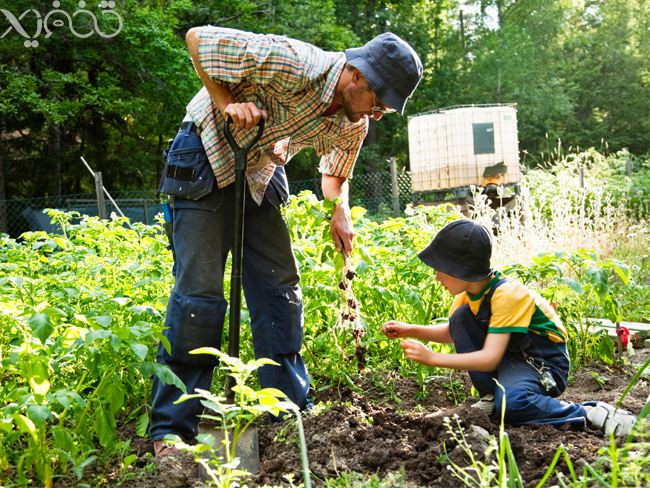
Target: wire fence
[{"x": 372, "y": 191}]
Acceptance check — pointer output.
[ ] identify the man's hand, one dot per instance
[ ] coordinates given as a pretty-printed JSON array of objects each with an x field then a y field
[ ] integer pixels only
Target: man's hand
[
  {"x": 342, "y": 229},
  {"x": 394, "y": 329},
  {"x": 418, "y": 352},
  {"x": 244, "y": 115}
]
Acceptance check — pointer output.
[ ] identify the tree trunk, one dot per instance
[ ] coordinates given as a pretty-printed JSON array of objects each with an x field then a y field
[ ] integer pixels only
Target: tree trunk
[
  {"x": 54, "y": 154},
  {"x": 3, "y": 195}
]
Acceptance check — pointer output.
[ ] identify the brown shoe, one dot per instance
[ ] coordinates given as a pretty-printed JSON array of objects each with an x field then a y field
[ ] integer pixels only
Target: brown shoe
[{"x": 160, "y": 449}]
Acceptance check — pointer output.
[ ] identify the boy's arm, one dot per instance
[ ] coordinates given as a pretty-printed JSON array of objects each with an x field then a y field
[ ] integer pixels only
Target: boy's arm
[
  {"x": 487, "y": 359},
  {"x": 434, "y": 333}
]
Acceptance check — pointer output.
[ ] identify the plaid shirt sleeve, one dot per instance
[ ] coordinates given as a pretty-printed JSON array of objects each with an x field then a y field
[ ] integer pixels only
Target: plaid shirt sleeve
[
  {"x": 338, "y": 156},
  {"x": 230, "y": 56}
]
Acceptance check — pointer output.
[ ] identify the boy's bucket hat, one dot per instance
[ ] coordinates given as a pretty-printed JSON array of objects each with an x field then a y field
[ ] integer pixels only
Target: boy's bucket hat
[
  {"x": 390, "y": 66},
  {"x": 462, "y": 249}
]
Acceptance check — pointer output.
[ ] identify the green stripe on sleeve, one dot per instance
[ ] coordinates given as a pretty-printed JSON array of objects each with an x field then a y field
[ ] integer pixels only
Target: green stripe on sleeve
[{"x": 504, "y": 330}]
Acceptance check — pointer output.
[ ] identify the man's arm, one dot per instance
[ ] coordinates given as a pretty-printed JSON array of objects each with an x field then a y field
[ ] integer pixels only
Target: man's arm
[
  {"x": 244, "y": 115},
  {"x": 341, "y": 228},
  {"x": 487, "y": 359}
]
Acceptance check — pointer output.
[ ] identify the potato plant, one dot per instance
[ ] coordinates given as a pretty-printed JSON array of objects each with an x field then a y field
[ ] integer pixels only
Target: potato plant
[{"x": 81, "y": 314}]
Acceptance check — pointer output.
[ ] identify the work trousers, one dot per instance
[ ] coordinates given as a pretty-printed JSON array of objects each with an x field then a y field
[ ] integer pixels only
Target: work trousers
[
  {"x": 202, "y": 239},
  {"x": 526, "y": 400}
]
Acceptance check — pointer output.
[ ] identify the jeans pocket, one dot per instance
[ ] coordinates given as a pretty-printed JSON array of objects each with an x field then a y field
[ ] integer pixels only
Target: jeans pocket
[
  {"x": 287, "y": 319},
  {"x": 277, "y": 193},
  {"x": 187, "y": 174},
  {"x": 193, "y": 322}
]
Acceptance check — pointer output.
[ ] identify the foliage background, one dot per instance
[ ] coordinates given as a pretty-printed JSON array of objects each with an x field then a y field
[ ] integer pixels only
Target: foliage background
[{"x": 579, "y": 71}]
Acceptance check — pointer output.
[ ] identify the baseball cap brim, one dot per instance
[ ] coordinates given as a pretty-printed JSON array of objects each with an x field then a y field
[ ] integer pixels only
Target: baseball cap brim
[{"x": 389, "y": 97}]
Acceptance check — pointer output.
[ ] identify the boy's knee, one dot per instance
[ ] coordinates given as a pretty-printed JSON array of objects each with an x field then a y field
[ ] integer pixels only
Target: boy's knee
[{"x": 517, "y": 405}]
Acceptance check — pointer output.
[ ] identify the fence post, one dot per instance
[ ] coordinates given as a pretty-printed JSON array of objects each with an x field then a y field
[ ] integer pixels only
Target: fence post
[
  {"x": 101, "y": 205},
  {"x": 581, "y": 176},
  {"x": 145, "y": 207},
  {"x": 394, "y": 186}
]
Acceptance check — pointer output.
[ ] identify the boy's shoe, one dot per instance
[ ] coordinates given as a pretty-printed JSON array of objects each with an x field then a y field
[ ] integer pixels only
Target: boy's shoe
[
  {"x": 160, "y": 449},
  {"x": 609, "y": 419},
  {"x": 485, "y": 404}
]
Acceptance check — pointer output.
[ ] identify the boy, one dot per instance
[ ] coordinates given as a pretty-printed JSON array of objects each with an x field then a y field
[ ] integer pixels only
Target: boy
[{"x": 502, "y": 331}]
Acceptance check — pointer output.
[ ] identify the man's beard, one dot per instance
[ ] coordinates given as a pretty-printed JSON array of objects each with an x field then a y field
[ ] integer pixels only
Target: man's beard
[{"x": 348, "y": 95}]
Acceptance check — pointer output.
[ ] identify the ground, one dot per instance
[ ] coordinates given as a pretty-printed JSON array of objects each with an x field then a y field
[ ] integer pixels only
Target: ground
[{"x": 389, "y": 428}]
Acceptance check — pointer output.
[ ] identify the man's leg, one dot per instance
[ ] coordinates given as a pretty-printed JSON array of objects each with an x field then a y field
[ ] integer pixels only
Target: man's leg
[
  {"x": 196, "y": 308},
  {"x": 274, "y": 300},
  {"x": 468, "y": 336}
]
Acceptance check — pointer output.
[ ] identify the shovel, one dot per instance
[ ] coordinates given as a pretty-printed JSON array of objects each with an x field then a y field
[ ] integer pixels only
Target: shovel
[{"x": 247, "y": 449}]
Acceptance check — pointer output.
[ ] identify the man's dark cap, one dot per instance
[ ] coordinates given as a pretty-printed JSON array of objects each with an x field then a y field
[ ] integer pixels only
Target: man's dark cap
[
  {"x": 390, "y": 66},
  {"x": 462, "y": 249}
]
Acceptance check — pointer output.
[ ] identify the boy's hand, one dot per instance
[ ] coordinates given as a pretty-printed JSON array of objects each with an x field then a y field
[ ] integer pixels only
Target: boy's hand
[
  {"x": 394, "y": 329},
  {"x": 417, "y": 352}
]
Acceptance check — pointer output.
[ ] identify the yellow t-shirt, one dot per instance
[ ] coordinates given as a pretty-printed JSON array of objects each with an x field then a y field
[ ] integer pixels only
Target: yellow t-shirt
[{"x": 515, "y": 308}]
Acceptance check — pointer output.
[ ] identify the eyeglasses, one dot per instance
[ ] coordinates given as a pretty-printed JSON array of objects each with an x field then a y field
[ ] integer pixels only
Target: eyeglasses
[{"x": 376, "y": 109}]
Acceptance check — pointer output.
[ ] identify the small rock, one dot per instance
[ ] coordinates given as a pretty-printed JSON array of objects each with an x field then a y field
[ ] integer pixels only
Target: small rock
[
  {"x": 480, "y": 432},
  {"x": 646, "y": 343},
  {"x": 317, "y": 439}
]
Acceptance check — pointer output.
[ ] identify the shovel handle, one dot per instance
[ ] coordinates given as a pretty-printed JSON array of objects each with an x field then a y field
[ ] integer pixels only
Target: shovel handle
[{"x": 233, "y": 143}]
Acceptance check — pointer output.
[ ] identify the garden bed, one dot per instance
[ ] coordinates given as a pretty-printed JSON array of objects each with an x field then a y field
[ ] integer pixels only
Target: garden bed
[{"x": 385, "y": 430}]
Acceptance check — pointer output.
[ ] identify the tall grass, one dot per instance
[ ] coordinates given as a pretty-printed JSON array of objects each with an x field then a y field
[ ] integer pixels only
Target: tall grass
[{"x": 608, "y": 213}]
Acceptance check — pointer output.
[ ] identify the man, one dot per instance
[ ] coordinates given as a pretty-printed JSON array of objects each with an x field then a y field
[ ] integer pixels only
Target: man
[{"x": 307, "y": 97}]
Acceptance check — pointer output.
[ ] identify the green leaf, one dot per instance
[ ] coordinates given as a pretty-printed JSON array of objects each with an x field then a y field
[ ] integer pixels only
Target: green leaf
[
  {"x": 207, "y": 439},
  {"x": 115, "y": 342},
  {"x": 103, "y": 320},
  {"x": 623, "y": 273},
  {"x": 166, "y": 344},
  {"x": 339, "y": 262},
  {"x": 168, "y": 377},
  {"x": 39, "y": 414},
  {"x": 115, "y": 395},
  {"x": 572, "y": 284},
  {"x": 61, "y": 396},
  {"x": 213, "y": 351},
  {"x": 25, "y": 425},
  {"x": 41, "y": 326},
  {"x": 39, "y": 383},
  {"x": 62, "y": 438},
  {"x": 140, "y": 350},
  {"x": 606, "y": 349},
  {"x": 104, "y": 424},
  {"x": 79, "y": 468},
  {"x": 97, "y": 334},
  {"x": 129, "y": 460},
  {"x": 258, "y": 363},
  {"x": 357, "y": 212},
  {"x": 142, "y": 425}
]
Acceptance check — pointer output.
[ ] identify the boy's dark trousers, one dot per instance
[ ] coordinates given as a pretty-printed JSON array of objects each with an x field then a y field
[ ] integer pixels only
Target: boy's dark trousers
[
  {"x": 526, "y": 400},
  {"x": 202, "y": 238}
]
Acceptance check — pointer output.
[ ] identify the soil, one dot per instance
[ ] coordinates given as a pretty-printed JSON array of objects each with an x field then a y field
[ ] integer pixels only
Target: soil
[{"x": 383, "y": 426}]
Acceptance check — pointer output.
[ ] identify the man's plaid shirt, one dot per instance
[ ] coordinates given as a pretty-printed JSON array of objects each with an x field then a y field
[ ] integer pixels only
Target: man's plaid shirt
[{"x": 295, "y": 83}]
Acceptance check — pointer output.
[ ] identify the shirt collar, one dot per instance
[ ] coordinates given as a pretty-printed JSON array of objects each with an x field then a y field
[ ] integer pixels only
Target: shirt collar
[
  {"x": 332, "y": 78},
  {"x": 497, "y": 277}
]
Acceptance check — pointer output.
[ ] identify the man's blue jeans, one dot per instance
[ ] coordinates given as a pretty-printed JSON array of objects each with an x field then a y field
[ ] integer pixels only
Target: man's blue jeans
[
  {"x": 202, "y": 239},
  {"x": 526, "y": 400}
]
